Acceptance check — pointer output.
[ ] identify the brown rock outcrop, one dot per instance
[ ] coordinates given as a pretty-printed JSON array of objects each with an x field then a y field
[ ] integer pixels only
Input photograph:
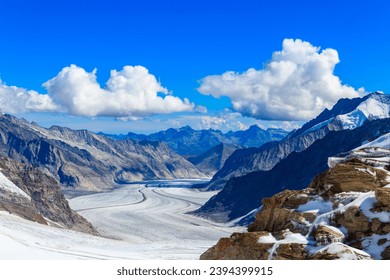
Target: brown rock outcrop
[
  {"x": 325, "y": 235},
  {"x": 352, "y": 176},
  {"x": 337, "y": 252},
  {"x": 239, "y": 246},
  {"x": 278, "y": 213}
]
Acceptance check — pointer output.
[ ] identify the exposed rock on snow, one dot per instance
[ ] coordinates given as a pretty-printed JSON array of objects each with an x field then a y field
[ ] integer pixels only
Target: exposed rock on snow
[
  {"x": 343, "y": 214},
  {"x": 326, "y": 234}
]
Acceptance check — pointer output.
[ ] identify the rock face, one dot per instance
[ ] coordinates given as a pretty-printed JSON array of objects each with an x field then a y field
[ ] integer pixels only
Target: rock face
[
  {"x": 85, "y": 161},
  {"x": 343, "y": 214},
  {"x": 346, "y": 114},
  {"x": 189, "y": 142},
  {"x": 37, "y": 197},
  {"x": 243, "y": 194}
]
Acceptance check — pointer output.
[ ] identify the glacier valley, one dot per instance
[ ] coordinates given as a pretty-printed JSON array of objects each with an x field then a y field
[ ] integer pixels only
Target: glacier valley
[{"x": 136, "y": 221}]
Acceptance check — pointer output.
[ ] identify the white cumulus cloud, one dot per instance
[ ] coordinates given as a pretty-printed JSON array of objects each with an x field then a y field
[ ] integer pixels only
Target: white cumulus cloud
[
  {"x": 225, "y": 121},
  {"x": 14, "y": 100},
  {"x": 296, "y": 84},
  {"x": 131, "y": 92}
]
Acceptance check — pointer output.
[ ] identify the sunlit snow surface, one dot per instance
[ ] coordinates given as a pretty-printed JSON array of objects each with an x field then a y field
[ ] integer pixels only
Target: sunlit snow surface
[
  {"x": 140, "y": 223},
  {"x": 381, "y": 142}
]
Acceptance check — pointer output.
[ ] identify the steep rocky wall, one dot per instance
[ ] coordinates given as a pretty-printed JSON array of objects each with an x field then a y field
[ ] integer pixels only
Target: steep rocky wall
[{"x": 47, "y": 204}]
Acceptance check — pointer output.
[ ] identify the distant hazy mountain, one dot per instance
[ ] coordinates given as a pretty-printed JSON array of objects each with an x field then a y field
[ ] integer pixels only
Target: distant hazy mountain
[
  {"x": 86, "y": 161},
  {"x": 346, "y": 114},
  {"x": 189, "y": 142},
  {"x": 212, "y": 160}
]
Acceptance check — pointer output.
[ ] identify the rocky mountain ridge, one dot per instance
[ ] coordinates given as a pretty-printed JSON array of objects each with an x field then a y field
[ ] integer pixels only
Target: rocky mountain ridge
[
  {"x": 86, "y": 161},
  {"x": 189, "y": 142}
]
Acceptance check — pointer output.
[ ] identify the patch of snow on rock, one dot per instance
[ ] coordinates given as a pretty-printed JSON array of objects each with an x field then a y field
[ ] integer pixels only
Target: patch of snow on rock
[{"x": 8, "y": 186}]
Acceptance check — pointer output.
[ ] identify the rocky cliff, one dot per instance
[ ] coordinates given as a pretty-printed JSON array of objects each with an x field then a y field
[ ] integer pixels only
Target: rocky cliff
[
  {"x": 343, "y": 214},
  {"x": 29, "y": 193}
]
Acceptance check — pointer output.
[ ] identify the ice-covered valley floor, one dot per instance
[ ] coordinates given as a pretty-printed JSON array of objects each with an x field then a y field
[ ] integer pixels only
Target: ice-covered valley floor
[{"x": 136, "y": 222}]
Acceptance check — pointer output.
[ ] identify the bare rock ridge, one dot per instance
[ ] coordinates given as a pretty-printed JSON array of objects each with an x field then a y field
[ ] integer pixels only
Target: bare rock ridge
[
  {"x": 85, "y": 161},
  {"x": 27, "y": 192},
  {"x": 343, "y": 214}
]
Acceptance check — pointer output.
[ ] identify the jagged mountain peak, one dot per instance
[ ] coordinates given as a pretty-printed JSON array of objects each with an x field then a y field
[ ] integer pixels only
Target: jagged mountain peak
[
  {"x": 254, "y": 127},
  {"x": 186, "y": 128},
  {"x": 351, "y": 113}
]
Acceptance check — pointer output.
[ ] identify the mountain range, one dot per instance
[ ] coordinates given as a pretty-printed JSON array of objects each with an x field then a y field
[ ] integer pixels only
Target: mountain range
[
  {"x": 346, "y": 114},
  {"x": 243, "y": 194},
  {"x": 303, "y": 190},
  {"x": 289, "y": 164},
  {"x": 189, "y": 142},
  {"x": 84, "y": 161}
]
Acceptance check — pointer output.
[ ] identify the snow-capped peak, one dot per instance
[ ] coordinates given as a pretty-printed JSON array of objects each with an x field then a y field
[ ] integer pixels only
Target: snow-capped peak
[
  {"x": 376, "y": 106},
  {"x": 355, "y": 112}
]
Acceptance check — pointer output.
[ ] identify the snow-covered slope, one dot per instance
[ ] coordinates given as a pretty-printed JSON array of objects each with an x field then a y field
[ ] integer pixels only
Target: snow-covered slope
[
  {"x": 375, "y": 153},
  {"x": 371, "y": 107},
  {"x": 7, "y": 186},
  {"x": 29, "y": 193},
  {"x": 377, "y": 106},
  {"x": 381, "y": 142},
  {"x": 142, "y": 223}
]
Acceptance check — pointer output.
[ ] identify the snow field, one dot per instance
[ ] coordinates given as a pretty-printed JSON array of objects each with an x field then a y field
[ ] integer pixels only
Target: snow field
[{"x": 137, "y": 223}]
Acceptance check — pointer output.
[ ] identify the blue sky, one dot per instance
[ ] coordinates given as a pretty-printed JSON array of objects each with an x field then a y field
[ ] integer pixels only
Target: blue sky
[{"x": 185, "y": 47}]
